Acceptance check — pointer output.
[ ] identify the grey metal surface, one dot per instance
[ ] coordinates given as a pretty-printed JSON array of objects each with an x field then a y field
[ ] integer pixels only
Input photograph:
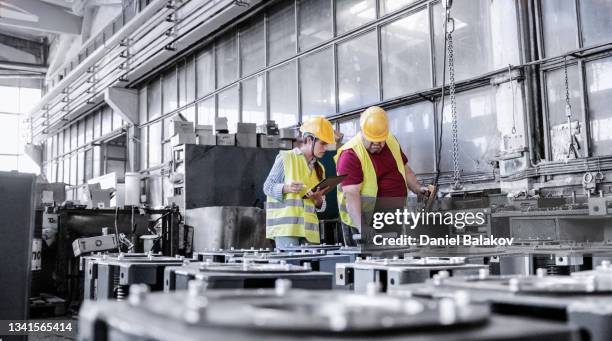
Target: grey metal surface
[
  {"x": 16, "y": 233},
  {"x": 291, "y": 314},
  {"x": 223, "y": 227}
]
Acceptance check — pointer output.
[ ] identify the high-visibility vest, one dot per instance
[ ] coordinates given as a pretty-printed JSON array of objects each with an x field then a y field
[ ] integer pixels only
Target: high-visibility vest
[
  {"x": 294, "y": 216},
  {"x": 369, "y": 186}
]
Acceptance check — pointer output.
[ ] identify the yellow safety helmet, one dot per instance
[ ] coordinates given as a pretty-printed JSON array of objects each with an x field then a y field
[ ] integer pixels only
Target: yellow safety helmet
[
  {"x": 320, "y": 127},
  {"x": 374, "y": 124}
]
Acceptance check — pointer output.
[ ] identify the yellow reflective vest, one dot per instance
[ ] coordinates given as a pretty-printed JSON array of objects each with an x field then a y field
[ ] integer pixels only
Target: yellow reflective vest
[
  {"x": 369, "y": 186},
  {"x": 294, "y": 216}
]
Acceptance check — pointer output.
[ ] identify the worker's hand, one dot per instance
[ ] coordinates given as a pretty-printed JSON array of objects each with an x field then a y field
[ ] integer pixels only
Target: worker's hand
[
  {"x": 317, "y": 196},
  {"x": 424, "y": 191},
  {"x": 293, "y": 187}
]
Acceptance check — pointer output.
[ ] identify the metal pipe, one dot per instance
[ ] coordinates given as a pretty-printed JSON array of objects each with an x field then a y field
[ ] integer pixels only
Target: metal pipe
[{"x": 38, "y": 68}]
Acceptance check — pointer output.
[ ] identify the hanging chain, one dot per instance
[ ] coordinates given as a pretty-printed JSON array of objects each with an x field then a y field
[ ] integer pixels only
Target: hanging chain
[
  {"x": 453, "y": 102},
  {"x": 568, "y": 112},
  {"x": 513, "y": 99}
]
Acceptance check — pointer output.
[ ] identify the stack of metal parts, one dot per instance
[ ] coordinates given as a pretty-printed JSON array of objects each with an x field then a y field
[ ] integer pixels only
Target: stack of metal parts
[
  {"x": 247, "y": 275},
  {"x": 583, "y": 299},
  {"x": 226, "y": 255},
  {"x": 108, "y": 276},
  {"x": 290, "y": 314},
  {"x": 318, "y": 260},
  {"x": 392, "y": 272}
]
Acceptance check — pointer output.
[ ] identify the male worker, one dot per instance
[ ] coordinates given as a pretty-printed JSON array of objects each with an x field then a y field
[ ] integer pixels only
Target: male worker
[
  {"x": 377, "y": 171},
  {"x": 291, "y": 208}
]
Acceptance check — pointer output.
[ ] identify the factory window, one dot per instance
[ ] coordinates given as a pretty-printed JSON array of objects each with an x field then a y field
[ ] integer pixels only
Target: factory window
[
  {"x": 477, "y": 146},
  {"x": 317, "y": 84},
  {"x": 117, "y": 121},
  {"x": 205, "y": 68},
  {"x": 97, "y": 124},
  {"x": 349, "y": 128},
  {"x": 74, "y": 136},
  {"x": 89, "y": 129},
  {"x": 351, "y": 14},
  {"x": 107, "y": 120},
  {"x": 559, "y": 26},
  {"x": 9, "y": 136},
  {"x": 60, "y": 143},
  {"x": 206, "y": 111},
  {"x": 67, "y": 140},
  {"x": 155, "y": 137},
  {"x": 187, "y": 87},
  {"x": 228, "y": 107},
  {"x": 406, "y": 61},
  {"x": 388, "y": 6},
  {"x": 88, "y": 163},
  {"x": 599, "y": 94},
  {"x": 144, "y": 150},
  {"x": 485, "y": 31},
  {"x": 154, "y": 99},
  {"x": 281, "y": 32},
  {"x": 252, "y": 46},
  {"x": 283, "y": 95},
  {"x": 97, "y": 154},
  {"x": 596, "y": 17},
  {"x": 81, "y": 133},
  {"x": 80, "y": 168},
  {"x": 73, "y": 169},
  {"x": 226, "y": 57},
  {"x": 413, "y": 126},
  {"x": 315, "y": 22},
  {"x": 169, "y": 91},
  {"x": 66, "y": 177},
  {"x": 557, "y": 118},
  {"x": 254, "y": 100},
  {"x": 358, "y": 71},
  {"x": 142, "y": 106}
]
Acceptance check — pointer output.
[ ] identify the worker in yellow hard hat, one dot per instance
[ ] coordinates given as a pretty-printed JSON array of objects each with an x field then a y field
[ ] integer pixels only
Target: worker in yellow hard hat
[
  {"x": 292, "y": 199},
  {"x": 376, "y": 168}
]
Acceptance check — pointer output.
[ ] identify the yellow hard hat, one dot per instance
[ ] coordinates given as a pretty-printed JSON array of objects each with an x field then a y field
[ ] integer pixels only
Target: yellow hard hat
[
  {"x": 374, "y": 124},
  {"x": 320, "y": 127}
]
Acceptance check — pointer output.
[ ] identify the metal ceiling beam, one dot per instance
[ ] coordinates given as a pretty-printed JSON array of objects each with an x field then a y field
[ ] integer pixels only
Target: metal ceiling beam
[
  {"x": 23, "y": 67},
  {"x": 50, "y": 18}
]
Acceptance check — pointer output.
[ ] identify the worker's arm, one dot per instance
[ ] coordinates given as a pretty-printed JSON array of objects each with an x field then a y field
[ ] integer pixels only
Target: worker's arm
[
  {"x": 413, "y": 182},
  {"x": 352, "y": 195},
  {"x": 275, "y": 185}
]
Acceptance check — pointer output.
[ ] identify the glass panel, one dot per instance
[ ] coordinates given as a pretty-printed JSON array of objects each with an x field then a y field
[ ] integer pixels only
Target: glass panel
[
  {"x": 388, "y": 6},
  {"x": 81, "y": 168},
  {"x": 281, "y": 32},
  {"x": 60, "y": 171},
  {"x": 117, "y": 121},
  {"x": 317, "y": 84},
  {"x": 555, "y": 93},
  {"x": 96, "y": 124},
  {"x": 28, "y": 98},
  {"x": 187, "y": 82},
  {"x": 167, "y": 148},
  {"x": 55, "y": 146},
  {"x": 353, "y": 13},
  {"x": 88, "y": 164},
  {"x": 73, "y": 169},
  {"x": 413, "y": 126},
  {"x": 405, "y": 55},
  {"x": 144, "y": 151},
  {"x": 254, "y": 100},
  {"x": 107, "y": 115},
  {"x": 73, "y": 136},
  {"x": 155, "y": 136},
  {"x": 559, "y": 26},
  {"x": 596, "y": 18},
  {"x": 89, "y": 128},
  {"x": 206, "y": 111},
  {"x": 358, "y": 71},
  {"x": 228, "y": 107},
  {"x": 154, "y": 99},
  {"x": 599, "y": 92},
  {"x": 67, "y": 140},
  {"x": 485, "y": 31},
  {"x": 9, "y": 134},
  {"x": 283, "y": 95},
  {"x": 252, "y": 47},
  {"x": 227, "y": 61},
  {"x": 477, "y": 146},
  {"x": 8, "y": 163},
  {"x": 170, "y": 96},
  {"x": 166, "y": 131},
  {"x": 315, "y": 22},
  {"x": 349, "y": 128},
  {"x": 142, "y": 106},
  {"x": 60, "y": 143},
  {"x": 97, "y": 155},
  {"x": 81, "y": 133},
  {"x": 10, "y": 100},
  {"x": 206, "y": 72}
]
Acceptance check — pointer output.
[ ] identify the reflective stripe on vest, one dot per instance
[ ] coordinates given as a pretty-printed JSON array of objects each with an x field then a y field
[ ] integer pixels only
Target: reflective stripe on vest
[
  {"x": 369, "y": 186},
  {"x": 294, "y": 216}
]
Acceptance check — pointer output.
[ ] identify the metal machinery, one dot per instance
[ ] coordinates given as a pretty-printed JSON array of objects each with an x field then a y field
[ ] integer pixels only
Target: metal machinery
[
  {"x": 247, "y": 275},
  {"x": 583, "y": 299},
  {"x": 109, "y": 276},
  {"x": 387, "y": 272},
  {"x": 284, "y": 314},
  {"x": 226, "y": 255}
]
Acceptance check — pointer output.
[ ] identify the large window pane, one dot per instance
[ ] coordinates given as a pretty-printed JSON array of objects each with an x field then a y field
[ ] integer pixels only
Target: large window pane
[
  {"x": 227, "y": 59},
  {"x": 317, "y": 83},
  {"x": 170, "y": 96},
  {"x": 73, "y": 169},
  {"x": 154, "y": 99},
  {"x": 88, "y": 164},
  {"x": 81, "y": 168},
  {"x": 73, "y": 136},
  {"x": 97, "y": 124},
  {"x": 10, "y": 99},
  {"x": 187, "y": 84},
  {"x": 405, "y": 55},
  {"x": 413, "y": 126},
  {"x": 144, "y": 150},
  {"x": 353, "y": 13},
  {"x": 475, "y": 110},
  {"x": 388, "y": 6},
  {"x": 557, "y": 119},
  {"x": 283, "y": 95},
  {"x": 142, "y": 106},
  {"x": 315, "y": 22},
  {"x": 252, "y": 46},
  {"x": 28, "y": 98},
  {"x": 60, "y": 171},
  {"x": 155, "y": 150},
  {"x": 485, "y": 31},
  {"x": 89, "y": 129},
  {"x": 206, "y": 72},
  {"x": 358, "y": 71},
  {"x": 254, "y": 100},
  {"x": 558, "y": 26},
  {"x": 349, "y": 128},
  {"x": 599, "y": 92},
  {"x": 596, "y": 18},
  {"x": 9, "y": 134},
  {"x": 8, "y": 163},
  {"x": 228, "y": 107},
  {"x": 281, "y": 32},
  {"x": 107, "y": 120},
  {"x": 206, "y": 111}
]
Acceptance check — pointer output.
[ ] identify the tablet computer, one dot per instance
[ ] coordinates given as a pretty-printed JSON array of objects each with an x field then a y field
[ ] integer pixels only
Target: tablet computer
[{"x": 331, "y": 181}]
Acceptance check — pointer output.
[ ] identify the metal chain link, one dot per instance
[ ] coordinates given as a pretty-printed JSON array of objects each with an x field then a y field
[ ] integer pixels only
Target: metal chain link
[
  {"x": 572, "y": 151},
  {"x": 453, "y": 102}
]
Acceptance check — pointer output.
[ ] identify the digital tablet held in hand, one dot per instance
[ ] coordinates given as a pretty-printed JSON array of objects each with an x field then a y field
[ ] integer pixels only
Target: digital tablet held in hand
[{"x": 331, "y": 181}]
